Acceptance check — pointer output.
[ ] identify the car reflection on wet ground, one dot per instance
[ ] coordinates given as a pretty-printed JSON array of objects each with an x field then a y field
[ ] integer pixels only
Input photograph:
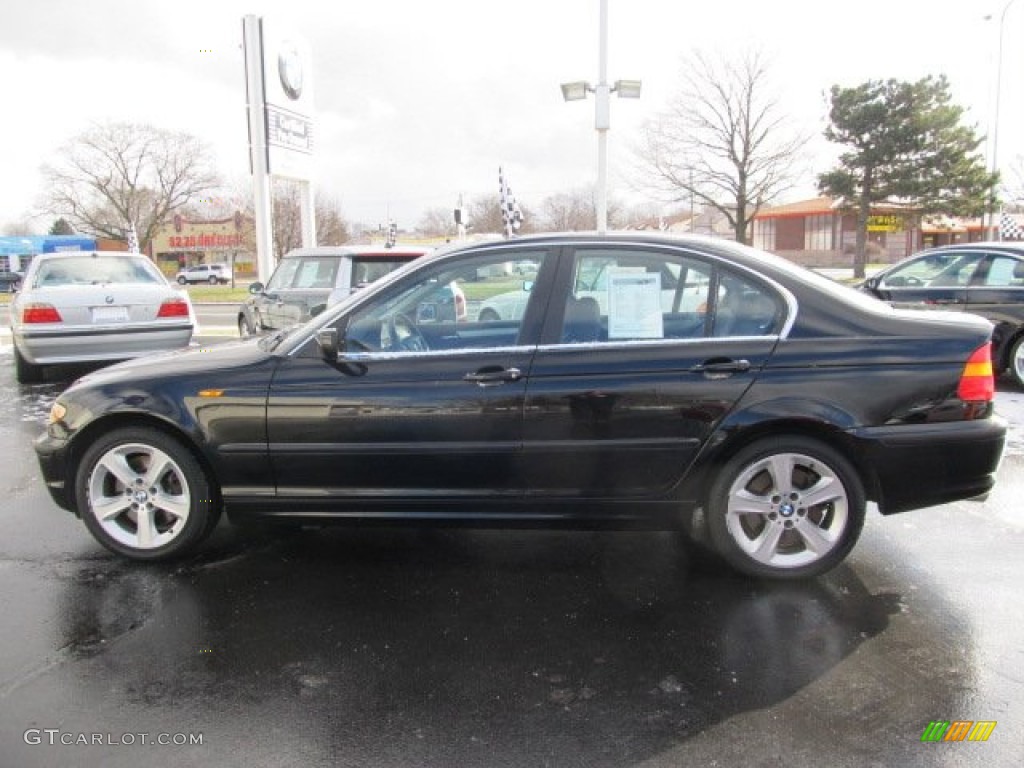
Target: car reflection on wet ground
[{"x": 491, "y": 648}]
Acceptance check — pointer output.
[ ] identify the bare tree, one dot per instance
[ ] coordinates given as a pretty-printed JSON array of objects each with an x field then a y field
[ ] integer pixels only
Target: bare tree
[
  {"x": 437, "y": 222},
  {"x": 115, "y": 175},
  {"x": 722, "y": 141},
  {"x": 570, "y": 211},
  {"x": 331, "y": 226},
  {"x": 23, "y": 225},
  {"x": 484, "y": 214},
  {"x": 576, "y": 211}
]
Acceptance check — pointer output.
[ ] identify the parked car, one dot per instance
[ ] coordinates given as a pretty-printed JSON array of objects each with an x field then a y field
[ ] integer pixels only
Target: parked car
[
  {"x": 95, "y": 306},
  {"x": 10, "y": 281},
  {"x": 307, "y": 279},
  {"x": 767, "y": 415},
  {"x": 985, "y": 279},
  {"x": 205, "y": 273}
]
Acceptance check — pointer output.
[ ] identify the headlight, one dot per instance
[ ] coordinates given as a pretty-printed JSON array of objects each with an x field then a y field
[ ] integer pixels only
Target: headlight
[{"x": 57, "y": 413}]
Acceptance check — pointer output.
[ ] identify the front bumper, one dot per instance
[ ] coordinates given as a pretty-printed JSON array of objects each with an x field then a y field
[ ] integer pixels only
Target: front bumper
[{"x": 52, "y": 454}]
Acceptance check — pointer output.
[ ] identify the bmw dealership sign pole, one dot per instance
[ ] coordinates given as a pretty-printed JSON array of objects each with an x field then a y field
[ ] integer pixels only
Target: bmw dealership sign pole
[{"x": 279, "y": 98}]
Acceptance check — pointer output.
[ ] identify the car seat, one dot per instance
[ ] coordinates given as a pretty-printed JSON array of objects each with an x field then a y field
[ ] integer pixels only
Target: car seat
[{"x": 582, "y": 320}]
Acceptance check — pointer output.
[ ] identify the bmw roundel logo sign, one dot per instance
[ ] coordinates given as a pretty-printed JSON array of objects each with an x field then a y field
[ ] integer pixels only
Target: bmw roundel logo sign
[{"x": 289, "y": 66}]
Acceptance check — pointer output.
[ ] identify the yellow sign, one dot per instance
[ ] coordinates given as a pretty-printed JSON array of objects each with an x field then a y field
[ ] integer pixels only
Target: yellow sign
[{"x": 885, "y": 223}]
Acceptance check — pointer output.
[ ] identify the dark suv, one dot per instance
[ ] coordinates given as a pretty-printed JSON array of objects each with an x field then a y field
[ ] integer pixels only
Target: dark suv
[
  {"x": 307, "y": 279},
  {"x": 985, "y": 279}
]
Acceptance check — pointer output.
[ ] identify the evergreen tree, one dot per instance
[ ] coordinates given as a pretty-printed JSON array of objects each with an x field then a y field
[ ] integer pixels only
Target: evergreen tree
[{"x": 906, "y": 143}]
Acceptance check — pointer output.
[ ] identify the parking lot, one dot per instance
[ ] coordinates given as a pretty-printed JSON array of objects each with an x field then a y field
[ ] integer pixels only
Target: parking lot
[{"x": 392, "y": 647}]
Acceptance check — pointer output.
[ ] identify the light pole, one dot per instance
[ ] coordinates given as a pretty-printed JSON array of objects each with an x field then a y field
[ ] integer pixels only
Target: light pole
[
  {"x": 626, "y": 89},
  {"x": 993, "y": 229}
]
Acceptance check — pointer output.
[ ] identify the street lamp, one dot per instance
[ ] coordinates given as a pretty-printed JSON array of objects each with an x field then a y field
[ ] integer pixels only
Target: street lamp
[
  {"x": 626, "y": 89},
  {"x": 995, "y": 119}
]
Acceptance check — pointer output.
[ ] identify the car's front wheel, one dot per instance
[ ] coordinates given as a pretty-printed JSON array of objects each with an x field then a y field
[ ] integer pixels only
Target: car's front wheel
[
  {"x": 786, "y": 508},
  {"x": 1017, "y": 360},
  {"x": 213, "y": 280},
  {"x": 142, "y": 494},
  {"x": 182, "y": 280}
]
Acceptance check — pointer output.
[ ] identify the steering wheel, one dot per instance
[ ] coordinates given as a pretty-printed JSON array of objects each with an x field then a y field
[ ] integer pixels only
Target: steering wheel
[{"x": 404, "y": 334}]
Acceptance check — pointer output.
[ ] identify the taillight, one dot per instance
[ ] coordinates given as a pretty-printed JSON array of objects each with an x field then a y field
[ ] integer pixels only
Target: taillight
[
  {"x": 977, "y": 382},
  {"x": 40, "y": 313},
  {"x": 173, "y": 308}
]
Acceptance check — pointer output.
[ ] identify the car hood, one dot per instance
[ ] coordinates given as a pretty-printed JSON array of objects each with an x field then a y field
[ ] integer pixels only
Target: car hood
[{"x": 194, "y": 362}]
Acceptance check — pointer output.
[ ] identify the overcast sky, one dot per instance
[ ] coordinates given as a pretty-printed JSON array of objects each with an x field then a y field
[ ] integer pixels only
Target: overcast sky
[{"x": 420, "y": 100}]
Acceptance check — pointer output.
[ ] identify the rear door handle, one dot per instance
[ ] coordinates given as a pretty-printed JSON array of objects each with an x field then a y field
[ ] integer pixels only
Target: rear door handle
[
  {"x": 488, "y": 377},
  {"x": 715, "y": 369}
]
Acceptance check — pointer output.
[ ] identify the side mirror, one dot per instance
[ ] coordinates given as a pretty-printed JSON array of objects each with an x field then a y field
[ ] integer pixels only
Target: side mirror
[
  {"x": 256, "y": 288},
  {"x": 316, "y": 309},
  {"x": 327, "y": 338}
]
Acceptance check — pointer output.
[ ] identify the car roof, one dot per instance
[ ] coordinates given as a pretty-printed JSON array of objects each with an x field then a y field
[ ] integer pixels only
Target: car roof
[
  {"x": 737, "y": 253},
  {"x": 43, "y": 258},
  {"x": 365, "y": 251},
  {"x": 985, "y": 245}
]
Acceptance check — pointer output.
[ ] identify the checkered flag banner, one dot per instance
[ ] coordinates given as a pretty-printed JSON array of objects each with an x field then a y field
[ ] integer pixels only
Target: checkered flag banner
[
  {"x": 133, "y": 239},
  {"x": 1009, "y": 228},
  {"x": 510, "y": 213}
]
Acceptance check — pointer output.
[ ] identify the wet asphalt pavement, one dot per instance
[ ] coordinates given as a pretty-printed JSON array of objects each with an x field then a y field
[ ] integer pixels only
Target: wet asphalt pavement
[{"x": 392, "y": 647}]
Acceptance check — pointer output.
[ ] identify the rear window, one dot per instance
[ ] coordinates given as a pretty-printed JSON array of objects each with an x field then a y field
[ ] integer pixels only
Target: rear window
[
  {"x": 95, "y": 270},
  {"x": 365, "y": 270}
]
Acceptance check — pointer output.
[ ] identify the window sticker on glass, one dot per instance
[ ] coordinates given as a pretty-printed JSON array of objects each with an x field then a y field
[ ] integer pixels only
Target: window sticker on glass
[{"x": 634, "y": 305}]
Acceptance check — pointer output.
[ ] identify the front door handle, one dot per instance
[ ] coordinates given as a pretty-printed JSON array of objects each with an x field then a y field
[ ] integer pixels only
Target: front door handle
[
  {"x": 721, "y": 368},
  {"x": 488, "y": 377}
]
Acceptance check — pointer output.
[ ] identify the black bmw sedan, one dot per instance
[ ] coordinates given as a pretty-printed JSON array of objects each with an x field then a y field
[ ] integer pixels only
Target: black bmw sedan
[{"x": 649, "y": 381}]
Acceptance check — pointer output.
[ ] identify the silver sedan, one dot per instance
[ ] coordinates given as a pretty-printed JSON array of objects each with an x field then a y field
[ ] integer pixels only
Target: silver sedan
[{"x": 95, "y": 307}]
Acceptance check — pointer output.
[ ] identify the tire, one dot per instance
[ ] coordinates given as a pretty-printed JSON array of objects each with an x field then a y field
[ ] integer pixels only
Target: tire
[
  {"x": 488, "y": 315},
  {"x": 1016, "y": 361},
  {"x": 113, "y": 485},
  {"x": 213, "y": 280},
  {"x": 245, "y": 329},
  {"x": 756, "y": 515},
  {"x": 182, "y": 280},
  {"x": 24, "y": 371}
]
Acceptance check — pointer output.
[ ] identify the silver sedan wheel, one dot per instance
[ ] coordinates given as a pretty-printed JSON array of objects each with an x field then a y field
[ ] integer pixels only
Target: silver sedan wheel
[
  {"x": 787, "y": 510},
  {"x": 139, "y": 496}
]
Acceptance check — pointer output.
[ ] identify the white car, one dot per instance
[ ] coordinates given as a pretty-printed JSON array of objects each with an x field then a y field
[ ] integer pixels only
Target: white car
[
  {"x": 95, "y": 307},
  {"x": 205, "y": 273}
]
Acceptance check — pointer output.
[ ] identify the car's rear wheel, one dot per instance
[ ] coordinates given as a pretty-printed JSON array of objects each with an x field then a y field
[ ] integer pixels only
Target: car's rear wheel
[
  {"x": 1017, "y": 361},
  {"x": 24, "y": 371},
  {"x": 142, "y": 494},
  {"x": 786, "y": 508},
  {"x": 488, "y": 315},
  {"x": 213, "y": 280}
]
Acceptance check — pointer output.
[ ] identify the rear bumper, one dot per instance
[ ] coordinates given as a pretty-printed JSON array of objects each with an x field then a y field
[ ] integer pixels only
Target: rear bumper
[
  {"x": 928, "y": 464},
  {"x": 96, "y": 344}
]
